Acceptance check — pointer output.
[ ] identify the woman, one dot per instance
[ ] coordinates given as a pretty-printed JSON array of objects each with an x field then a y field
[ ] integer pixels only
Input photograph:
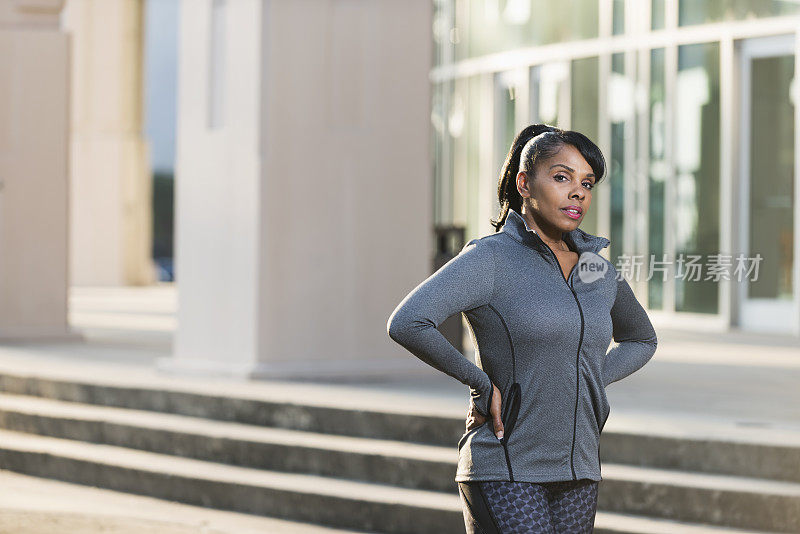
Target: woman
[{"x": 542, "y": 306}]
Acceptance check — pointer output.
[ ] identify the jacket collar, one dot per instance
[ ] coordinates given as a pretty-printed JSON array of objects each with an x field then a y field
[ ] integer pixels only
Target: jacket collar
[{"x": 578, "y": 240}]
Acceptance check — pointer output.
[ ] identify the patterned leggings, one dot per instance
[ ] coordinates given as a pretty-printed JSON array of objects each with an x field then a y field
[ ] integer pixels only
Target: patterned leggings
[{"x": 500, "y": 507}]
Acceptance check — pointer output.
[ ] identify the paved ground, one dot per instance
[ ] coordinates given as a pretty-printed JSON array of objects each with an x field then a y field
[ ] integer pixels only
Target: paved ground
[
  {"x": 737, "y": 384},
  {"x": 32, "y": 505}
]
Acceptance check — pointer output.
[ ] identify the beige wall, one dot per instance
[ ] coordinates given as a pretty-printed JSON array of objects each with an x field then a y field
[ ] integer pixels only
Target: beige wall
[
  {"x": 306, "y": 217},
  {"x": 111, "y": 188},
  {"x": 34, "y": 136},
  {"x": 347, "y": 183}
]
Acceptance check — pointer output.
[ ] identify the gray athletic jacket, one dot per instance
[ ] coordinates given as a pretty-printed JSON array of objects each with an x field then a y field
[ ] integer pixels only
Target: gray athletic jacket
[{"x": 531, "y": 326}]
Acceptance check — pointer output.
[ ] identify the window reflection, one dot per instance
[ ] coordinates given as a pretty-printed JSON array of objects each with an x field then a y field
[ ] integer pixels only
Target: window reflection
[
  {"x": 620, "y": 107},
  {"x": 488, "y": 26},
  {"x": 584, "y": 107},
  {"x": 658, "y": 174},
  {"x": 696, "y": 180},
  {"x": 547, "y": 87},
  {"x": 771, "y": 184},
  {"x": 697, "y": 12},
  {"x": 657, "y": 15}
]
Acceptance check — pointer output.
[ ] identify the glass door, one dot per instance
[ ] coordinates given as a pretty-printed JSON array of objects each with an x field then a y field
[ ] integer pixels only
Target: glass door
[{"x": 767, "y": 231}]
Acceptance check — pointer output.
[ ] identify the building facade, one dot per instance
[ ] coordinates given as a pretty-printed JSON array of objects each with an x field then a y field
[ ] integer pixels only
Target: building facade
[{"x": 693, "y": 104}]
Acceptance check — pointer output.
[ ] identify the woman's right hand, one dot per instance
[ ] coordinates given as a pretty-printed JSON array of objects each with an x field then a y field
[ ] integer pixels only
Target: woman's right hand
[{"x": 475, "y": 419}]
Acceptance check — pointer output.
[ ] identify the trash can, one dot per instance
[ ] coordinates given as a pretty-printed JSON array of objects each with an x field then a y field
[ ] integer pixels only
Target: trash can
[{"x": 449, "y": 242}]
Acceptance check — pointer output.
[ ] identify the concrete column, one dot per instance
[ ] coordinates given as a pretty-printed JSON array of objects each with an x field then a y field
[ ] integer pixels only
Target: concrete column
[
  {"x": 303, "y": 192},
  {"x": 110, "y": 195},
  {"x": 34, "y": 140}
]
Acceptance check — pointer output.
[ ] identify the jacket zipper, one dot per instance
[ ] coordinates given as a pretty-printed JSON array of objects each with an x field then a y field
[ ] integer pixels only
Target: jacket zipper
[{"x": 577, "y": 360}]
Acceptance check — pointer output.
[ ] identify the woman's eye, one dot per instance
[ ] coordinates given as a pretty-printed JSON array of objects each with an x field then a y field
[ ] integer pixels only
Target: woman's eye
[{"x": 588, "y": 185}]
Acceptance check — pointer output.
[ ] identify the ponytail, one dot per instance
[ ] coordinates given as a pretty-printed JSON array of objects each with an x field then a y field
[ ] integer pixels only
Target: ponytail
[{"x": 507, "y": 192}]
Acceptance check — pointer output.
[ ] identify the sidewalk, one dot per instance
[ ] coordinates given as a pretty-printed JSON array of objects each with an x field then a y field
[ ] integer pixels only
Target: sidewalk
[{"x": 32, "y": 505}]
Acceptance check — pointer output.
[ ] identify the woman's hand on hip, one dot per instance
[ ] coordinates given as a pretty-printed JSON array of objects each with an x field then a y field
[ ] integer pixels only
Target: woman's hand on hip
[{"x": 475, "y": 419}]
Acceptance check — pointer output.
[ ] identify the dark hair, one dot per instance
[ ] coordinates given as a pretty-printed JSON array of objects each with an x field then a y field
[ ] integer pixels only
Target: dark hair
[{"x": 532, "y": 144}]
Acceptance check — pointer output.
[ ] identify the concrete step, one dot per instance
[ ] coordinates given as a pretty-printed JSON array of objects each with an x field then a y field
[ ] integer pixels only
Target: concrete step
[
  {"x": 323, "y": 500},
  {"x": 713, "y": 499},
  {"x": 613, "y": 523},
  {"x": 700, "y": 447},
  {"x": 398, "y": 463},
  {"x": 262, "y": 407},
  {"x": 721, "y": 500}
]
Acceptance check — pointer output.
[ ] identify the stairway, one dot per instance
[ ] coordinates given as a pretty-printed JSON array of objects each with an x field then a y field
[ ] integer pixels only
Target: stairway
[{"x": 371, "y": 470}]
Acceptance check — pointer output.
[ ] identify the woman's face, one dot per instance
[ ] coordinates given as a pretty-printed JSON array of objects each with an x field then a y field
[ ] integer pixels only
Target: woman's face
[{"x": 561, "y": 193}]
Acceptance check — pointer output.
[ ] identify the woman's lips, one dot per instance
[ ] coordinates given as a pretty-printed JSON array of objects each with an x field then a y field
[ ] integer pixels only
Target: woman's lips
[{"x": 572, "y": 213}]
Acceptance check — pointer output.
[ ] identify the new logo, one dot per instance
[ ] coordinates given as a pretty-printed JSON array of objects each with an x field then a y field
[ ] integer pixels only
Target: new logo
[{"x": 591, "y": 267}]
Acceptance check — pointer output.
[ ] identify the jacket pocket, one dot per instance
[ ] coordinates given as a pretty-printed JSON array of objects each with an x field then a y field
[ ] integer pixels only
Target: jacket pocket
[
  {"x": 509, "y": 419},
  {"x": 600, "y": 408},
  {"x": 511, "y": 409},
  {"x": 605, "y": 417}
]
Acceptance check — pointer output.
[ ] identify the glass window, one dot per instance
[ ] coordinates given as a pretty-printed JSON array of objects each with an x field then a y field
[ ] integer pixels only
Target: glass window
[
  {"x": 771, "y": 187},
  {"x": 506, "y": 90},
  {"x": 584, "y": 106},
  {"x": 618, "y": 22},
  {"x": 697, "y": 12},
  {"x": 439, "y": 150},
  {"x": 443, "y": 32},
  {"x": 657, "y": 177},
  {"x": 548, "y": 84},
  {"x": 620, "y": 101},
  {"x": 657, "y": 15},
  {"x": 488, "y": 26},
  {"x": 460, "y": 190},
  {"x": 473, "y": 154},
  {"x": 510, "y": 90},
  {"x": 696, "y": 181},
  {"x": 457, "y": 127}
]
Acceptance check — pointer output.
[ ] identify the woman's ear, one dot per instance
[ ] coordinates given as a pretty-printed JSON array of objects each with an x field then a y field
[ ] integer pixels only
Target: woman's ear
[{"x": 523, "y": 185}]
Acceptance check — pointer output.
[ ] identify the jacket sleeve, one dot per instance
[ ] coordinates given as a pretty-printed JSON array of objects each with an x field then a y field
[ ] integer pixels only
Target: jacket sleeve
[
  {"x": 634, "y": 334},
  {"x": 463, "y": 283}
]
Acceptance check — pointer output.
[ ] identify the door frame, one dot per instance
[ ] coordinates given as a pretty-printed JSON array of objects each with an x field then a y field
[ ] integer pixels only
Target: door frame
[{"x": 764, "y": 315}]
